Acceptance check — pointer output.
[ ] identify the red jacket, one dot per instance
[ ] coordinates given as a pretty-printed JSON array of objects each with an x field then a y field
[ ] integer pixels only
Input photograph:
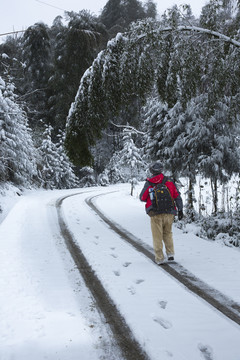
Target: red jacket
[{"x": 144, "y": 196}]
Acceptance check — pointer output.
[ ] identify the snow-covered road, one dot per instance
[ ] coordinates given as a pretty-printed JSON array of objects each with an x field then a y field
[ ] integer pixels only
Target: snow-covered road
[{"x": 47, "y": 312}]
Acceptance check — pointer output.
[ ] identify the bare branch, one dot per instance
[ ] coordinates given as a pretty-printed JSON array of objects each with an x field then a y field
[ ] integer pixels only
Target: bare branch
[{"x": 30, "y": 93}]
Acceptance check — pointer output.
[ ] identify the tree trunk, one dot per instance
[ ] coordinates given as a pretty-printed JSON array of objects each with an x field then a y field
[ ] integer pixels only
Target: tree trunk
[
  {"x": 132, "y": 188},
  {"x": 214, "y": 195},
  {"x": 190, "y": 200},
  {"x": 223, "y": 198}
]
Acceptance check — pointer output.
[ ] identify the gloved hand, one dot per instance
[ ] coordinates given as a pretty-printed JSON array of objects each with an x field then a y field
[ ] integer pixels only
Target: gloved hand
[{"x": 180, "y": 215}]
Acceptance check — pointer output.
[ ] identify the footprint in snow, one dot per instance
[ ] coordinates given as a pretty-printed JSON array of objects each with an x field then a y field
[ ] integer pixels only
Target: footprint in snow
[
  {"x": 206, "y": 351},
  {"x": 131, "y": 290},
  {"x": 163, "y": 322},
  {"x": 169, "y": 353},
  {"x": 117, "y": 273},
  {"x": 126, "y": 264},
  {"x": 71, "y": 314},
  {"x": 139, "y": 281},
  {"x": 96, "y": 237},
  {"x": 114, "y": 255},
  {"x": 163, "y": 304},
  {"x": 112, "y": 248}
]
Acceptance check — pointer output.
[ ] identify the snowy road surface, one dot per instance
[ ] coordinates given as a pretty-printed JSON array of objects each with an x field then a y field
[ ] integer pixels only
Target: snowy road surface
[{"x": 47, "y": 312}]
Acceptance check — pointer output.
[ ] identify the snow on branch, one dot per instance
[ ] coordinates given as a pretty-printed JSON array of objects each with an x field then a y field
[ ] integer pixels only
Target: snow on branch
[
  {"x": 129, "y": 128},
  {"x": 12, "y": 32},
  {"x": 202, "y": 30}
]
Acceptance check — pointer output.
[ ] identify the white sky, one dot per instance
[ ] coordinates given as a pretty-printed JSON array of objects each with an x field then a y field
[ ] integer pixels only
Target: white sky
[{"x": 19, "y": 14}]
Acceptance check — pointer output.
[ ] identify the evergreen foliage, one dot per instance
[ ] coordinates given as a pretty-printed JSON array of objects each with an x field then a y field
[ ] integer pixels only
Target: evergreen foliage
[
  {"x": 131, "y": 160},
  {"x": 20, "y": 161},
  {"x": 36, "y": 57},
  {"x": 126, "y": 164},
  {"x": 17, "y": 152},
  {"x": 75, "y": 49},
  {"x": 189, "y": 75},
  {"x": 117, "y": 15},
  {"x": 105, "y": 91},
  {"x": 56, "y": 171}
]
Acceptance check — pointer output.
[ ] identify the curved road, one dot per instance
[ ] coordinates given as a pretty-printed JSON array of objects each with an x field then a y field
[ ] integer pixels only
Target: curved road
[
  {"x": 129, "y": 346},
  {"x": 123, "y": 335}
]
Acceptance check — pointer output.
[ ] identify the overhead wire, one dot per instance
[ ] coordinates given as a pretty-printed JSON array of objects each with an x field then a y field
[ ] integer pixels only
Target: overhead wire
[
  {"x": 42, "y": 2},
  {"x": 56, "y": 7}
]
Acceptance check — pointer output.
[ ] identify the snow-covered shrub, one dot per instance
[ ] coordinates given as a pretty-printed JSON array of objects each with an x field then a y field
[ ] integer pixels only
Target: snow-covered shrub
[
  {"x": 9, "y": 196},
  {"x": 87, "y": 177},
  {"x": 103, "y": 179},
  {"x": 223, "y": 227}
]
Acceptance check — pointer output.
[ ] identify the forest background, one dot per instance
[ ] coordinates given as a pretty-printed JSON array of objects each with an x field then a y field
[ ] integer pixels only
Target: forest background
[{"x": 93, "y": 100}]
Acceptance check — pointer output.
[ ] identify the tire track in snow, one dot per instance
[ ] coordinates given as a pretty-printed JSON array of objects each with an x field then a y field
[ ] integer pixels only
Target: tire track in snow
[
  {"x": 128, "y": 345},
  {"x": 214, "y": 297}
]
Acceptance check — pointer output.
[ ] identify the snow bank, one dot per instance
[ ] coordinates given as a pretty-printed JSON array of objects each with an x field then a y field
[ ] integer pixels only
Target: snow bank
[{"x": 9, "y": 196}]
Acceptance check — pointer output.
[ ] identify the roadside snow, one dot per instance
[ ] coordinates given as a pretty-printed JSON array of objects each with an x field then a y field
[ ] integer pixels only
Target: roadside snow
[
  {"x": 9, "y": 196},
  {"x": 47, "y": 313},
  {"x": 45, "y": 309}
]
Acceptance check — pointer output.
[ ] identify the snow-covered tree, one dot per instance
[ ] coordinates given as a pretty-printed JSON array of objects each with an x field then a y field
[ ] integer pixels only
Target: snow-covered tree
[
  {"x": 178, "y": 60},
  {"x": 17, "y": 152},
  {"x": 75, "y": 48},
  {"x": 126, "y": 165},
  {"x": 113, "y": 173},
  {"x": 130, "y": 160},
  {"x": 195, "y": 140},
  {"x": 36, "y": 56},
  {"x": 56, "y": 170},
  {"x": 165, "y": 141},
  {"x": 117, "y": 15},
  {"x": 154, "y": 117},
  {"x": 67, "y": 178},
  {"x": 104, "y": 90},
  {"x": 11, "y": 67},
  {"x": 150, "y": 8},
  {"x": 50, "y": 168},
  {"x": 87, "y": 177}
]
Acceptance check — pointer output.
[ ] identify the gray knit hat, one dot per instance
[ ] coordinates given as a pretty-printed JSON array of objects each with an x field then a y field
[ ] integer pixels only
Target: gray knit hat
[{"x": 156, "y": 168}]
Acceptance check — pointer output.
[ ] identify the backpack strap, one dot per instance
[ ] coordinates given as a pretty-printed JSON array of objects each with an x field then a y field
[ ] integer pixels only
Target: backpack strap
[
  {"x": 164, "y": 180},
  {"x": 151, "y": 183}
]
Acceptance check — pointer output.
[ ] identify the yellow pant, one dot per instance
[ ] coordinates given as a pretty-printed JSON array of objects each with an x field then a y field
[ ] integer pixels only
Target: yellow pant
[{"x": 161, "y": 226}]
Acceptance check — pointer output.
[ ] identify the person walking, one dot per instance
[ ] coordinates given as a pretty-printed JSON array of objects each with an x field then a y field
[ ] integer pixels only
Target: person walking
[{"x": 161, "y": 214}]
